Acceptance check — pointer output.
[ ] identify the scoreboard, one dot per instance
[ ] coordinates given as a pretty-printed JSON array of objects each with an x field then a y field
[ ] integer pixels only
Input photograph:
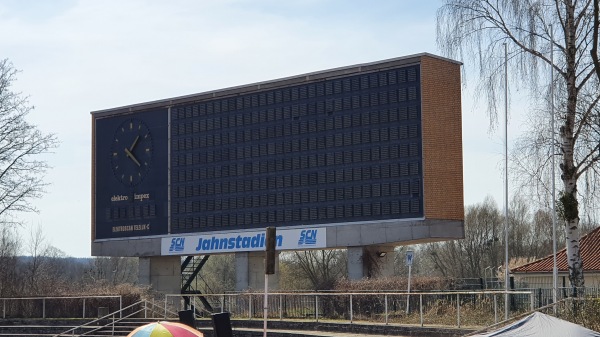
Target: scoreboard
[{"x": 337, "y": 147}]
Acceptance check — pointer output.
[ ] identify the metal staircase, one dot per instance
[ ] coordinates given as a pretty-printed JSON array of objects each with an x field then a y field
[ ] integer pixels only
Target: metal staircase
[{"x": 190, "y": 269}]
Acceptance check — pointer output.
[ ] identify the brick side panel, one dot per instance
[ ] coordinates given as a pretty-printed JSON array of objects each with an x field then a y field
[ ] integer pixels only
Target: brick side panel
[{"x": 442, "y": 139}]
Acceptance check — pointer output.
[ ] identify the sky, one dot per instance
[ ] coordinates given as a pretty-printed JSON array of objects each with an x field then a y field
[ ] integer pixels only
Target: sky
[{"x": 78, "y": 56}]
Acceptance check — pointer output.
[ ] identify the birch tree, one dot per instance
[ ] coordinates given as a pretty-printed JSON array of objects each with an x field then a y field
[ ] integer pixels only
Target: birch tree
[{"x": 476, "y": 30}]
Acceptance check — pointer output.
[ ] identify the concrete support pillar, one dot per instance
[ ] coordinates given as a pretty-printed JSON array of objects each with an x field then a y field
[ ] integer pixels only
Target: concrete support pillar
[
  {"x": 241, "y": 271},
  {"x": 370, "y": 261},
  {"x": 250, "y": 271},
  {"x": 162, "y": 273},
  {"x": 385, "y": 256},
  {"x": 355, "y": 263}
]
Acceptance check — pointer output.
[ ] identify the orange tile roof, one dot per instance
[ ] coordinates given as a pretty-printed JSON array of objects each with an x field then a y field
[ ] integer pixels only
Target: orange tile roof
[{"x": 590, "y": 254}]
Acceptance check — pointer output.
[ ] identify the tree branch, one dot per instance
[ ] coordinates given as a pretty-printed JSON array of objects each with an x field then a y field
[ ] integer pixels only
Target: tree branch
[{"x": 595, "y": 28}]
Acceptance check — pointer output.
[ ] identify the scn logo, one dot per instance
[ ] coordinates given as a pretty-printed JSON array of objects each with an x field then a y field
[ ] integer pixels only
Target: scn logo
[
  {"x": 308, "y": 237},
  {"x": 177, "y": 245}
]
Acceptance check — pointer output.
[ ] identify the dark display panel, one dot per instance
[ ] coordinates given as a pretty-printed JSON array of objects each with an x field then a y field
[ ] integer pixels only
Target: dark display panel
[
  {"x": 131, "y": 175},
  {"x": 335, "y": 151}
]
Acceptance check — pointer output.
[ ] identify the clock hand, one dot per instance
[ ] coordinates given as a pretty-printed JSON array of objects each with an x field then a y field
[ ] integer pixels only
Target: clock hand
[
  {"x": 130, "y": 155},
  {"x": 134, "y": 143}
]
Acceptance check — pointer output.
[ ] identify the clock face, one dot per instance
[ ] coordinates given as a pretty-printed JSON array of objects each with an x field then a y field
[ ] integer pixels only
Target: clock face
[{"x": 131, "y": 152}]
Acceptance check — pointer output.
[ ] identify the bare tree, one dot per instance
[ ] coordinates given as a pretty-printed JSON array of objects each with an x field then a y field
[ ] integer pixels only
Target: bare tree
[
  {"x": 112, "y": 270},
  {"x": 446, "y": 258},
  {"x": 400, "y": 267},
  {"x": 540, "y": 242},
  {"x": 519, "y": 224},
  {"x": 218, "y": 274},
  {"x": 21, "y": 144},
  {"x": 321, "y": 267},
  {"x": 481, "y": 247},
  {"x": 36, "y": 250},
  {"x": 41, "y": 266},
  {"x": 9, "y": 250},
  {"x": 477, "y": 30}
]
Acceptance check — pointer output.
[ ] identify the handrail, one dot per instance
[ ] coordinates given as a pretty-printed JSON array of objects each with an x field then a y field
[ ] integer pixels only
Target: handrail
[
  {"x": 143, "y": 306},
  {"x": 360, "y": 293},
  {"x": 165, "y": 310},
  {"x": 120, "y": 311},
  {"x": 58, "y": 297},
  {"x": 241, "y": 304},
  {"x": 4, "y": 301},
  {"x": 113, "y": 322}
]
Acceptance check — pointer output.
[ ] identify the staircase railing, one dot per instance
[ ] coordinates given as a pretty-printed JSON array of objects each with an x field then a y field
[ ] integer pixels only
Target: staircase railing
[
  {"x": 190, "y": 269},
  {"x": 142, "y": 306}
]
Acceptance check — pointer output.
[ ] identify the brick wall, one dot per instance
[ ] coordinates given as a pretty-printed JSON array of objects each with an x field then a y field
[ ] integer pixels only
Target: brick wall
[{"x": 442, "y": 139}]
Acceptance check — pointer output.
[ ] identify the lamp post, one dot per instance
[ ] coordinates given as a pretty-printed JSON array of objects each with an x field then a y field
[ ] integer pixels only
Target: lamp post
[
  {"x": 506, "y": 280},
  {"x": 485, "y": 275},
  {"x": 554, "y": 264}
]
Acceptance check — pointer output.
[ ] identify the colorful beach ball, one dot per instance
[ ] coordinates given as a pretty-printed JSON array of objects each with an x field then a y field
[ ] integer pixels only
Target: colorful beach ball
[{"x": 165, "y": 329}]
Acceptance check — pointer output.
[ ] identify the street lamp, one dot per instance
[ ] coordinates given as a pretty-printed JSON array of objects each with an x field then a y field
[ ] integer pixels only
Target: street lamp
[{"x": 505, "y": 182}]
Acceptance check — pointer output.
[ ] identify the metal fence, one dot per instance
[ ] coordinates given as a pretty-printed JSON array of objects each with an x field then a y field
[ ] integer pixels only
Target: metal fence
[
  {"x": 456, "y": 308},
  {"x": 462, "y": 308},
  {"x": 544, "y": 296},
  {"x": 59, "y": 307}
]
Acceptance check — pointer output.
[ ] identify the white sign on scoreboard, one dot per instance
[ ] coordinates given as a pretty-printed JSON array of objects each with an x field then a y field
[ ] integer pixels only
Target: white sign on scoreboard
[{"x": 286, "y": 239}]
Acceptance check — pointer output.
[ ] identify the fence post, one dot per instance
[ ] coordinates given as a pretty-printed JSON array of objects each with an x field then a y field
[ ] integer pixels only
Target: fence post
[
  {"x": 421, "y": 308},
  {"x": 495, "y": 309},
  {"x": 84, "y": 307},
  {"x": 166, "y": 298},
  {"x": 531, "y": 300},
  {"x": 43, "y": 308},
  {"x": 350, "y": 308},
  {"x": 280, "y": 307},
  {"x": 120, "y": 306},
  {"x": 3, "y": 308},
  {"x": 250, "y": 306},
  {"x": 317, "y": 308},
  {"x": 222, "y": 304},
  {"x": 386, "y": 309},
  {"x": 458, "y": 309}
]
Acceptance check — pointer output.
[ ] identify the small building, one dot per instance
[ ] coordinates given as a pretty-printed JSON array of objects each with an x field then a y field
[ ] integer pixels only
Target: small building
[{"x": 538, "y": 274}]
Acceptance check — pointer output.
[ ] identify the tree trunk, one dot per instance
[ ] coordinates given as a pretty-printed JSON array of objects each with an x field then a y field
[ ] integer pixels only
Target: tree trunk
[{"x": 569, "y": 175}]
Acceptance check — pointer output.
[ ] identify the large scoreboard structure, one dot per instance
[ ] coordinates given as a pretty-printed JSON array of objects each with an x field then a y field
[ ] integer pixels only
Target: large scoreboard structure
[{"x": 353, "y": 156}]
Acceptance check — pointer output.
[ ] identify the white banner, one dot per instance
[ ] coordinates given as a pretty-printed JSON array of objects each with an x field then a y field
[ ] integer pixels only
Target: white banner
[{"x": 286, "y": 239}]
